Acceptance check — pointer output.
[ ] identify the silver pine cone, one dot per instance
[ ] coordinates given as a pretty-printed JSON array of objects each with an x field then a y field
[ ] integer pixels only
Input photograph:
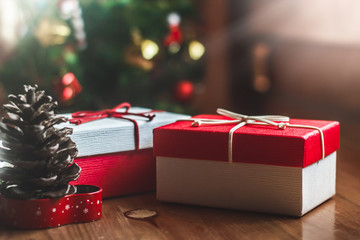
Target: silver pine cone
[{"x": 40, "y": 154}]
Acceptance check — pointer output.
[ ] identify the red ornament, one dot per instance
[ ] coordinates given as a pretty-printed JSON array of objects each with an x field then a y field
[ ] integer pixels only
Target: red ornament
[
  {"x": 68, "y": 87},
  {"x": 175, "y": 36},
  {"x": 184, "y": 90}
]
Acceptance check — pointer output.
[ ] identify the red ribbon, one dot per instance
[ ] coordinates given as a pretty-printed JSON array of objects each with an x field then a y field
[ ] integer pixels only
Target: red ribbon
[{"x": 88, "y": 116}]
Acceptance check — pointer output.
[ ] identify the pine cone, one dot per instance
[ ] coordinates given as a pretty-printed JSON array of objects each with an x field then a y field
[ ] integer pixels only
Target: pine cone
[{"x": 42, "y": 155}]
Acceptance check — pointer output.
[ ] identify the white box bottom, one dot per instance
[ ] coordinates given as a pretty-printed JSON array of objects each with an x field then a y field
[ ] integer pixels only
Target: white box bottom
[{"x": 244, "y": 186}]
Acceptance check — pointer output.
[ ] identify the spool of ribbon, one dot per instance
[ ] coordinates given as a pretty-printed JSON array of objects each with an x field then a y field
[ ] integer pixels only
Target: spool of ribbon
[
  {"x": 241, "y": 120},
  {"x": 88, "y": 116}
]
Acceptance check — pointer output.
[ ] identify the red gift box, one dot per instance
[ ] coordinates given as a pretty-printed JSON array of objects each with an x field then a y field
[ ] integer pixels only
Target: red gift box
[
  {"x": 119, "y": 173},
  {"x": 115, "y": 147},
  {"x": 287, "y": 168}
]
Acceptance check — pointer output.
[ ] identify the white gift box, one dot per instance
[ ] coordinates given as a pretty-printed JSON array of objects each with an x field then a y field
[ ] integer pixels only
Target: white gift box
[
  {"x": 284, "y": 171},
  {"x": 108, "y": 153}
]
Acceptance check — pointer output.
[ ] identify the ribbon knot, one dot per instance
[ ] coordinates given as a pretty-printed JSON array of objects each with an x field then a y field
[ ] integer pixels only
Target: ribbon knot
[
  {"x": 281, "y": 122},
  {"x": 283, "y": 125},
  {"x": 110, "y": 112},
  {"x": 88, "y": 116}
]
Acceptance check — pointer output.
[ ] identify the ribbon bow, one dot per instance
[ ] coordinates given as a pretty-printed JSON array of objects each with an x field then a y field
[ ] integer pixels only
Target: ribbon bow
[
  {"x": 241, "y": 120},
  {"x": 88, "y": 116}
]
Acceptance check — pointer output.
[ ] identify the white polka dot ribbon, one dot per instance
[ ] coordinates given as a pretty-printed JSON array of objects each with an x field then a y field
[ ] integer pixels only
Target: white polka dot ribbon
[{"x": 271, "y": 120}]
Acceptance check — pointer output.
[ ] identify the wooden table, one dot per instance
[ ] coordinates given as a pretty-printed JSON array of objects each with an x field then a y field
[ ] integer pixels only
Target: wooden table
[{"x": 338, "y": 218}]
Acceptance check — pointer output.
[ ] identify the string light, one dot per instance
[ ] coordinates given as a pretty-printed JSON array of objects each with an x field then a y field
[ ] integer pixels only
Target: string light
[
  {"x": 149, "y": 49},
  {"x": 68, "y": 93},
  {"x": 52, "y": 32},
  {"x": 173, "y": 19},
  {"x": 68, "y": 87},
  {"x": 196, "y": 50},
  {"x": 61, "y": 30},
  {"x": 68, "y": 78},
  {"x": 174, "y": 47}
]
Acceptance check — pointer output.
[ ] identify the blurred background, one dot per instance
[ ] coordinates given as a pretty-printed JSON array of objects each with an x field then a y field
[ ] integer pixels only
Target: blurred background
[{"x": 298, "y": 58}]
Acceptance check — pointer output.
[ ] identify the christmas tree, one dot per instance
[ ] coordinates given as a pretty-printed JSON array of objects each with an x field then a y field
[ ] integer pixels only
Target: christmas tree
[{"x": 96, "y": 54}]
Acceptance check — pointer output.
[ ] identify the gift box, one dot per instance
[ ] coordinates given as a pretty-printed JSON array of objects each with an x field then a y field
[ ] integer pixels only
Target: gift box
[
  {"x": 265, "y": 164},
  {"x": 115, "y": 148}
]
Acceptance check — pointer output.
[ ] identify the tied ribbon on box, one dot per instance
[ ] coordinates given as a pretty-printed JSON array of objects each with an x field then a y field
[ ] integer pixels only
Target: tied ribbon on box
[
  {"x": 241, "y": 120},
  {"x": 88, "y": 116}
]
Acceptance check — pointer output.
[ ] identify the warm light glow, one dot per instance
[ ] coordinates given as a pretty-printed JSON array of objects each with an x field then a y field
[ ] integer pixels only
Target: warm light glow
[
  {"x": 9, "y": 20},
  {"x": 174, "y": 47},
  {"x": 50, "y": 32},
  {"x": 68, "y": 79},
  {"x": 61, "y": 30},
  {"x": 196, "y": 50},
  {"x": 149, "y": 49},
  {"x": 321, "y": 21},
  {"x": 261, "y": 83},
  {"x": 68, "y": 93}
]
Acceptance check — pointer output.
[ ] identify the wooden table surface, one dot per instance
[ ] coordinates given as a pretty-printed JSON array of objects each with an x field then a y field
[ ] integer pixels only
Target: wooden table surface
[{"x": 338, "y": 218}]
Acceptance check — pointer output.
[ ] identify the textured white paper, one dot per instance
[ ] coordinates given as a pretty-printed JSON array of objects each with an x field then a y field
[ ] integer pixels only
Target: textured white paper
[
  {"x": 111, "y": 135},
  {"x": 244, "y": 186}
]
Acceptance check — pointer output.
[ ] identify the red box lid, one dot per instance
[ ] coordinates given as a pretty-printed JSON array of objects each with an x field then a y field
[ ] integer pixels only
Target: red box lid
[{"x": 293, "y": 147}]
